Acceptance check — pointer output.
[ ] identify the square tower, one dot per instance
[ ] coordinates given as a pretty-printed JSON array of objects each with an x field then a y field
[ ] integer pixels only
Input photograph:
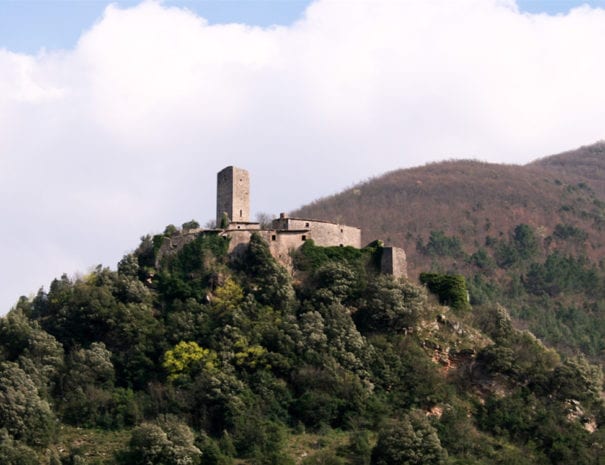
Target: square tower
[{"x": 233, "y": 195}]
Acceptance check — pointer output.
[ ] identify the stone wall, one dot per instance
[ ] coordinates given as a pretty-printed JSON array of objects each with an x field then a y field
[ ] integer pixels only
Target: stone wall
[
  {"x": 323, "y": 233},
  {"x": 239, "y": 240},
  {"x": 238, "y": 225},
  {"x": 394, "y": 262},
  {"x": 281, "y": 243},
  {"x": 233, "y": 195}
]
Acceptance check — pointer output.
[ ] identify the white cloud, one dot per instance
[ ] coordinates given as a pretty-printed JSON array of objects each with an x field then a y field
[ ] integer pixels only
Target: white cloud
[{"x": 124, "y": 134}]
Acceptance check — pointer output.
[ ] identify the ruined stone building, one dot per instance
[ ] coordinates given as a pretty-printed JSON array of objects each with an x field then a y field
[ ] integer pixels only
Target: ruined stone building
[{"x": 285, "y": 234}]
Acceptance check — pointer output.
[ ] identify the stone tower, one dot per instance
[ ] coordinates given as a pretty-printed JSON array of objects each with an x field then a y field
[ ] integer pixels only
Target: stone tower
[{"x": 233, "y": 195}]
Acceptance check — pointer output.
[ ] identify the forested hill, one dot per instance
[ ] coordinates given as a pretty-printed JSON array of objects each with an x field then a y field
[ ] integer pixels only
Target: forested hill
[
  {"x": 530, "y": 237},
  {"x": 473, "y": 200},
  {"x": 192, "y": 357}
]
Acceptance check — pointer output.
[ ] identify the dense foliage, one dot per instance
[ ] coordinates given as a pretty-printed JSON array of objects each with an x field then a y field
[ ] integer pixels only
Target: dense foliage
[{"x": 185, "y": 355}]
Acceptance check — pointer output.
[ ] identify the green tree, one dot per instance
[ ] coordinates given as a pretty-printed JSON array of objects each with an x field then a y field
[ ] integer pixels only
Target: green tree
[
  {"x": 266, "y": 279},
  {"x": 187, "y": 359},
  {"x": 168, "y": 443},
  {"x": 228, "y": 297},
  {"x": 410, "y": 441},
  {"x": 15, "y": 453},
  {"x": 334, "y": 283},
  {"x": 525, "y": 241},
  {"x": 578, "y": 379},
  {"x": 170, "y": 230},
  {"x": 23, "y": 413},
  {"x": 390, "y": 305},
  {"x": 441, "y": 245},
  {"x": 190, "y": 225},
  {"x": 359, "y": 447},
  {"x": 88, "y": 395},
  {"x": 38, "y": 353},
  {"x": 451, "y": 289}
]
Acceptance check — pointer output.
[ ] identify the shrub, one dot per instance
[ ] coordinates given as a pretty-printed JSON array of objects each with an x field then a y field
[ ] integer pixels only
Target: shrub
[
  {"x": 167, "y": 443},
  {"x": 22, "y": 412},
  {"x": 442, "y": 246},
  {"x": 411, "y": 441},
  {"x": 451, "y": 289}
]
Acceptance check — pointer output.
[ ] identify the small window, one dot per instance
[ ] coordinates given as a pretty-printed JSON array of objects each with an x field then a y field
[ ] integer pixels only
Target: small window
[
  {"x": 341, "y": 245},
  {"x": 306, "y": 225},
  {"x": 342, "y": 230},
  {"x": 304, "y": 238},
  {"x": 273, "y": 237},
  {"x": 238, "y": 227},
  {"x": 240, "y": 213}
]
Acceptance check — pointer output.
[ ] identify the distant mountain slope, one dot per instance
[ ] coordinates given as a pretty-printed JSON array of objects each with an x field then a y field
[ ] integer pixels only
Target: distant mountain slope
[
  {"x": 473, "y": 201},
  {"x": 585, "y": 164}
]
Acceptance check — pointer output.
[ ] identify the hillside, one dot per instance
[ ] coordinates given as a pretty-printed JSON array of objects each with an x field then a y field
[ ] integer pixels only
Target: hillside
[
  {"x": 470, "y": 217},
  {"x": 586, "y": 164},
  {"x": 202, "y": 358},
  {"x": 473, "y": 200}
]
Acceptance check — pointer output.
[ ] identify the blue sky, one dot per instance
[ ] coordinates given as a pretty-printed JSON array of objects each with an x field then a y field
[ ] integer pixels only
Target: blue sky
[{"x": 27, "y": 26}]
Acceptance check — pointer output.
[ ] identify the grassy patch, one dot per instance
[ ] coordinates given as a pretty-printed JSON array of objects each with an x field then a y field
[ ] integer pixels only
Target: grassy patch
[{"x": 95, "y": 446}]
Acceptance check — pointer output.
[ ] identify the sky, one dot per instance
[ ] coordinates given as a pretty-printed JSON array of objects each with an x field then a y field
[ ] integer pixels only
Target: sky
[{"x": 116, "y": 117}]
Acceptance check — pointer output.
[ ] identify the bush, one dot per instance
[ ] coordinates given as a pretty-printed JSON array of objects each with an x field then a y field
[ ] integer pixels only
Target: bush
[
  {"x": 451, "y": 289},
  {"x": 390, "y": 305},
  {"x": 411, "y": 441},
  {"x": 190, "y": 225},
  {"x": 269, "y": 282},
  {"x": 14, "y": 453},
  {"x": 167, "y": 443},
  {"x": 441, "y": 245},
  {"x": 189, "y": 273},
  {"x": 569, "y": 232},
  {"x": 22, "y": 412}
]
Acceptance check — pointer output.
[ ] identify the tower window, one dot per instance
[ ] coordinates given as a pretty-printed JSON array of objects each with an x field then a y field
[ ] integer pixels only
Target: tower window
[
  {"x": 240, "y": 213},
  {"x": 273, "y": 237},
  {"x": 304, "y": 238},
  {"x": 306, "y": 225}
]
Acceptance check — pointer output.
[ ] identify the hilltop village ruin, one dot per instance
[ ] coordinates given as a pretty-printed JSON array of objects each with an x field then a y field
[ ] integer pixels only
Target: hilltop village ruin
[{"x": 285, "y": 234}]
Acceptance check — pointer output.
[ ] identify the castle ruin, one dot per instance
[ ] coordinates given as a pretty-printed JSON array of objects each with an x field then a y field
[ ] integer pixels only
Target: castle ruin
[{"x": 286, "y": 234}]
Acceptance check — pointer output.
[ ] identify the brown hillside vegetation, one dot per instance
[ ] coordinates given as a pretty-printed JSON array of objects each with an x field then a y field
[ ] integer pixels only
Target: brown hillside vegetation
[
  {"x": 584, "y": 164},
  {"x": 476, "y": 202}
]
